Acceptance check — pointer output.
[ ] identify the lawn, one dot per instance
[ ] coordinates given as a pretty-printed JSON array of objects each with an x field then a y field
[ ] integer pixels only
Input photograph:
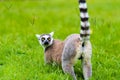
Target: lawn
[{"x": 21, "y": 56}]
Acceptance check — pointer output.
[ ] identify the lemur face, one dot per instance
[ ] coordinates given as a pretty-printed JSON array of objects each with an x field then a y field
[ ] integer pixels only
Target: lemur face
[{"x": 45, "y": 39}]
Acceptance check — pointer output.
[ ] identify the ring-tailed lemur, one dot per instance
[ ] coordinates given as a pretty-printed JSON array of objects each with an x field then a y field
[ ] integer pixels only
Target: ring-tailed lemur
[{"x": 74, "y": 47}]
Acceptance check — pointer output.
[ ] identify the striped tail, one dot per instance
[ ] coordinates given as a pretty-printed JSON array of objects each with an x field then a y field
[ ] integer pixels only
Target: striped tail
[{"x": 85, "y": 25}]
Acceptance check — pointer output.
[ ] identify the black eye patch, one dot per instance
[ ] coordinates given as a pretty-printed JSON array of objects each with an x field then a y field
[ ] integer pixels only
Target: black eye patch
[
  {"x": 49, "y": 39},
  {"x": 42, "y": 39}
]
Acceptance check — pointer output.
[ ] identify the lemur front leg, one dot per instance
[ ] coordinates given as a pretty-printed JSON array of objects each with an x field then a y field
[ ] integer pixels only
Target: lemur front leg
[
  {"x": 47, "y": 58},
  {"x": 86, "y": 62}
]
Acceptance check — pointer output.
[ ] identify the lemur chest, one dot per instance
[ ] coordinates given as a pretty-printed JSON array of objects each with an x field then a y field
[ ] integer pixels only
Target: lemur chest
[{"x": 54, "y": 52}]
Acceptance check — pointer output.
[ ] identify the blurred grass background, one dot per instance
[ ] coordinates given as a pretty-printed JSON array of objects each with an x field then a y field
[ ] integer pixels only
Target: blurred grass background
[{"x": 21, "y": 56}]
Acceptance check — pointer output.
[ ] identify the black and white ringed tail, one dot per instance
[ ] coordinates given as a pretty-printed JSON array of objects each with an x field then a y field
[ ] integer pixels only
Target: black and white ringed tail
[{"x": 85, "y": 25}]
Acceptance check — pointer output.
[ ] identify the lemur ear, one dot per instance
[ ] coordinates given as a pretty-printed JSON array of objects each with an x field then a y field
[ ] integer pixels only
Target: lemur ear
[
  {"x": 52, "y": 33},
  {"x": 38, "y": 36}
]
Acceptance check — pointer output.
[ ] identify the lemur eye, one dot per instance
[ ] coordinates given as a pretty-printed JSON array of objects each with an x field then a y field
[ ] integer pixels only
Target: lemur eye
[
  {"x": 42, "y": 39},
  {"x": 49, "y": 39}
]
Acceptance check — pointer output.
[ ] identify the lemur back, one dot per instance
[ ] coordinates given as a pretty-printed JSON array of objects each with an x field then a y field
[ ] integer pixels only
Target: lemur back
[{"x": 74, "y": 50}]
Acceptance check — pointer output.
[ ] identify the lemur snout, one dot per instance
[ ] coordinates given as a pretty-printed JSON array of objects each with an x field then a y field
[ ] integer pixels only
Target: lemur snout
[{"x": 46, "y": 43}]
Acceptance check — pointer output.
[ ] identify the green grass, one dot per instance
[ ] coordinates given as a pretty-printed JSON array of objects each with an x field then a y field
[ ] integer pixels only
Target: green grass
[{"x": 21, "y": 56}]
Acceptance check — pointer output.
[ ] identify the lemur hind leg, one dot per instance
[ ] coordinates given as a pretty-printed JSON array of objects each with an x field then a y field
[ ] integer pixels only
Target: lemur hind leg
[
  {"x": 67, "y": 67},
  {"x": 86, "y": 61},
  {"x": 68, "y": 59}
]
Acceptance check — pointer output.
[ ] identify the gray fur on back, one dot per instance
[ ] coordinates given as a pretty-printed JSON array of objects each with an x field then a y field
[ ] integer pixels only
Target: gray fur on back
[{"x": 70, "y": 46}]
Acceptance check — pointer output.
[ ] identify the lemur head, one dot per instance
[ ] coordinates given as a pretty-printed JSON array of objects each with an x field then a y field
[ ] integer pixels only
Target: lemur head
[{"x": 45, "y": 39}]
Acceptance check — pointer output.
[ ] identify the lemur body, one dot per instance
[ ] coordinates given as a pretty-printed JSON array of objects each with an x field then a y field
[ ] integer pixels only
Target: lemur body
[{"x": 75, "y": 46}]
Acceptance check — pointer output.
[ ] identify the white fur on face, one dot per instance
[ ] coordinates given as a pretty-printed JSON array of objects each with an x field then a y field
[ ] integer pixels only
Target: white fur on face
[{"x": 45, "y": 37}]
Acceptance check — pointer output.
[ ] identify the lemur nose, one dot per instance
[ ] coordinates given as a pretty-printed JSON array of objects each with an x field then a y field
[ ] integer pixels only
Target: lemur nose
[{"x": 46, "y": 43}]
